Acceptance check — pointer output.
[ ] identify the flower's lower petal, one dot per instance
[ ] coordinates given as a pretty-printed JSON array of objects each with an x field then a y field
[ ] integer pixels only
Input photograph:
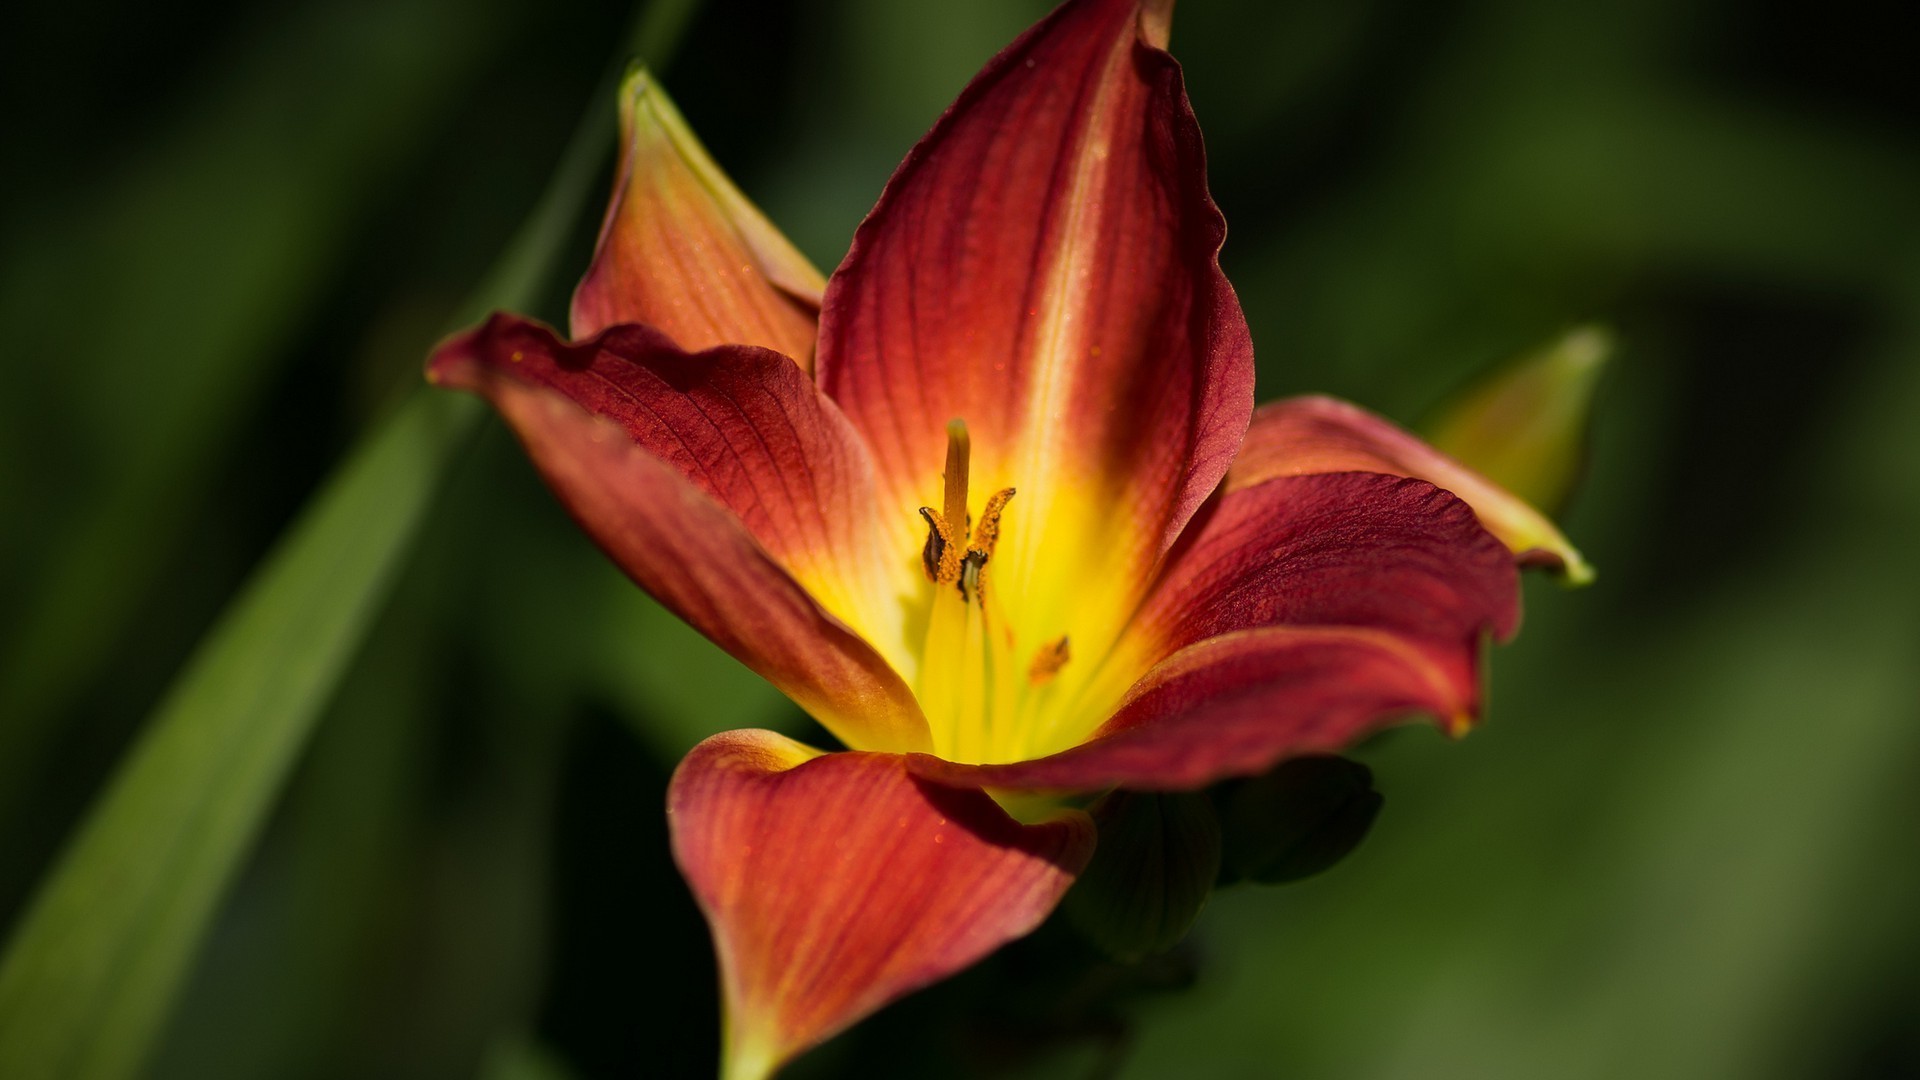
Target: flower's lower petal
[
  {"x": 837, "y": 883},
  {"x": 683, "y": 251},
  {"x": 667, "y": 531},
  {"x": 1307, "y": 435},
  {"x": 744, "y": 426},
  {"x": 1044, "y": 266},
  {"x": 1334, "y": 549},
  {"x": 1235, "y": 705},
  {"x": 1368, "y": 551}
]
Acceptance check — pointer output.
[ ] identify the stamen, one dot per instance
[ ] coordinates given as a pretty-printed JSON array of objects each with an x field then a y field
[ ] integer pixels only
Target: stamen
[
  {"x": 988, "y": 531},
  {"x": 941, "y": 556},
  {"x": 973, "y": 567},
  {"x": 1048, "y": 661},
  {"x": 945, "y": 550}
]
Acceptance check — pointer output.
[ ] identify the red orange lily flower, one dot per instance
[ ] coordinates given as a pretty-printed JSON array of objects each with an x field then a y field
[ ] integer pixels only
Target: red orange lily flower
[{"x": 987, "y": 504}]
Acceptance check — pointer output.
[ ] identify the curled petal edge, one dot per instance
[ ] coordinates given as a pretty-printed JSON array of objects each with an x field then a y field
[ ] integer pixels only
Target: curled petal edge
[
  {"x": 696, "y": 558},
  {"x": 1313, "y": 434},
  {"x": 683, "y": 250}
]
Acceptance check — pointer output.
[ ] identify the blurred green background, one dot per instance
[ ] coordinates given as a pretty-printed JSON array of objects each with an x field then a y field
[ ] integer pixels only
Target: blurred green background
[{"x": 1685, "y": 844}]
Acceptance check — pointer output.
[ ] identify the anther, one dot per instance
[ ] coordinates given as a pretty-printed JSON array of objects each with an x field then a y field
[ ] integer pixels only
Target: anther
[
  {"x": 1048, "y": 661},
  {"x": 947, "y": 557},
  {"x": 934, "y": 556}
]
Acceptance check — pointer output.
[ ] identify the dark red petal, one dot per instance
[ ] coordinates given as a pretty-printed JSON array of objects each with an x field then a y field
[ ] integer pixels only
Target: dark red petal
[
  {"x": 1336, "y": 549},
  {"x": 1234, "y": 705},
  {"x": 1307, "y": 435},
  {"x": 1389, "y": 555},
  {"x": 663, "y": 455},
  {"x": 1043, "y": 265},
  {"x": 684, "y": 252},
  {"x": 835, "y": 884}
]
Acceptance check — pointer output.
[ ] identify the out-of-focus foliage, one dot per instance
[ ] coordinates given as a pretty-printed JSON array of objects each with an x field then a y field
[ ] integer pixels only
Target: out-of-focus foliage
[{"x": 1681, "y": 845}]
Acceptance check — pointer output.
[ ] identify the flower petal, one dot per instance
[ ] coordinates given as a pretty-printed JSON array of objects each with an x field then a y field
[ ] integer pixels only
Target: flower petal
[
  {"x": 837, "y": 883},
  {"x": 683, "y": 251},
  {"x": 1336, "y": 549},
  {"x": 1043, "y": 265},
  {"x": 1364, "y": 550},
  {"x": 1307, "y": 435},
  {"x": 1234, "y": 705},
  {"x": 723, "y": 485}
]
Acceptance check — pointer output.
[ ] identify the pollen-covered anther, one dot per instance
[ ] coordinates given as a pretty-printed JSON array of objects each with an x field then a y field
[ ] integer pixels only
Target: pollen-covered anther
[
  {"x": 973, "y": 566},
  {"x": 1048, "y": 661},
  {"x": 941, "y": 556}
]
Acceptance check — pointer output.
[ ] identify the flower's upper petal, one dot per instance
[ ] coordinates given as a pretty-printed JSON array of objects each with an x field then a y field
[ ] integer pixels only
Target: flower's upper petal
[
  {"x": 1307, "y": 435},
  {"x": 725, "y": 486},
  {"x": 1236, "y": 704},
  {"x": 1389, "y": 555},
  {"x": 1043, "y": 265},
  {"x": 837, "y": 883},
  {"x": 683, "y": 251}
]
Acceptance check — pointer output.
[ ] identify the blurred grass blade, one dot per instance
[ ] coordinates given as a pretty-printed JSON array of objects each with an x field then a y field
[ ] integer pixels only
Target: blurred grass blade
[
  {"x": 265, "y": 222},
  {"x": 93, "y": 966},
  {"x": 95, "y": 962}
]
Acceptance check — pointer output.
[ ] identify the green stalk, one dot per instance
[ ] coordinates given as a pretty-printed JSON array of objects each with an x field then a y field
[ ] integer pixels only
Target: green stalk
[{"x": 93, "y": 966}]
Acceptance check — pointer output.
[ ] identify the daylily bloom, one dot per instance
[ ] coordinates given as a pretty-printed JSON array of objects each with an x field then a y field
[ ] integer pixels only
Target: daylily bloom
[{"x": 986, "y": 504}]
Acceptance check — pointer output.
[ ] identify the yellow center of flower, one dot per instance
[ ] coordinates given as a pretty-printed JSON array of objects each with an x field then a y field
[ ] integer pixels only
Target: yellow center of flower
[{"x": 983, "y": 695}]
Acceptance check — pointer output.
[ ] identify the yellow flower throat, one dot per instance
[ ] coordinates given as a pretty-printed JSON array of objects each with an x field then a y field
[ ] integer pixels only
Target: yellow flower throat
[{"x": 977, "y": 694}]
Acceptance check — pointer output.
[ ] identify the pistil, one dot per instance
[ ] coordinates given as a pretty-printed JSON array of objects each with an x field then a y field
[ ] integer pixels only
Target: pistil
[{"x": 964, "y": 654}]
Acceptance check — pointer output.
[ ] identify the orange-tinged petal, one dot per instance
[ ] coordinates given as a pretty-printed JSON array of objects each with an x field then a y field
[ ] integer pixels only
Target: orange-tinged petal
[
  {"x": 720, "y": 482},
  {"x": 1043, "y": 265},
  {"x": 837, "y": 883},
  {"x": 1307, "y": 435},
  {"x": 682, "y": 250},
  {"x": 1234, "y": 705}
]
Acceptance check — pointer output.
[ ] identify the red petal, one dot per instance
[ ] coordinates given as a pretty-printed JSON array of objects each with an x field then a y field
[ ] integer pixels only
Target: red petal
[
  {"x": 1335, "y": 549},
  {"x": 683, "y": 251},
  {"x": 1307, "y": 435},
  {"x": 1395, "y": 557},
  {"x": 1235, "y": 705},
  {"x": 835, "y": 884},
  {"x": 1043, "y": 265},
  {"x": 663, "y": 455}
]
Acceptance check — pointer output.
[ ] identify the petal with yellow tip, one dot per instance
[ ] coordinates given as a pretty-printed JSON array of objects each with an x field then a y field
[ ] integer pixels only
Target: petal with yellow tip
[
  {"x": 1304, "y": 436},
  {"x": 683, "y": 251}
]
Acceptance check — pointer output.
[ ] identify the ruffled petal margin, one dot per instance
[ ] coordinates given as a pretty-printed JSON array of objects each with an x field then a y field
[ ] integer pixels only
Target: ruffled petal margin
[
  {"x": 1303, "y": 436},
  {"x": 837, "y": 883},
  {"x": 723, "y": 485},
  {"x": 683, "y": 251}
]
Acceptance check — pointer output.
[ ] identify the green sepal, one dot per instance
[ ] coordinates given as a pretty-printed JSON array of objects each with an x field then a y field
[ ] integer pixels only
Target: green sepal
[
  {"x": 1157, "y": 860},
  {"x": 1295, "y": 821}
]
